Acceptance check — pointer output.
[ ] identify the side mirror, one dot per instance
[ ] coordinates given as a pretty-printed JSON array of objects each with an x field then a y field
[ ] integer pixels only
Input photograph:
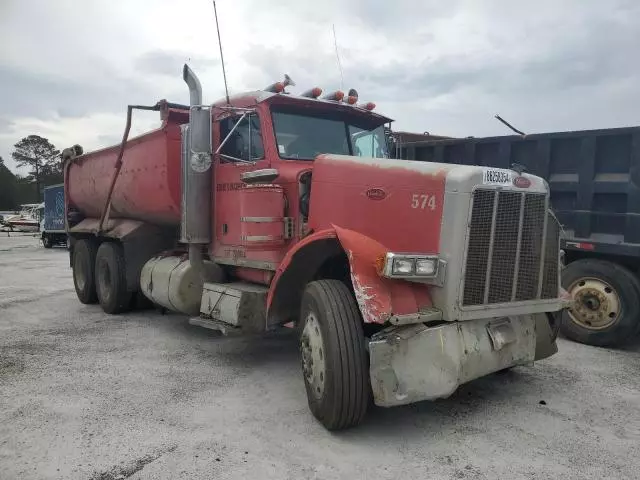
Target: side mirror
[{"x": 265, "y": 175}]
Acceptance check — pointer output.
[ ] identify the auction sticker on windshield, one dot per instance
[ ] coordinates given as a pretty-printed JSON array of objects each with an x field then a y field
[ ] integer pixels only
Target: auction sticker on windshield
[{"x": 493, "y": 176}]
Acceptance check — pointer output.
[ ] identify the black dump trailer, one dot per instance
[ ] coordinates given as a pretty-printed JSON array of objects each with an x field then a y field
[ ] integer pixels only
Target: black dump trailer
[{"x": 594, "y": 178}]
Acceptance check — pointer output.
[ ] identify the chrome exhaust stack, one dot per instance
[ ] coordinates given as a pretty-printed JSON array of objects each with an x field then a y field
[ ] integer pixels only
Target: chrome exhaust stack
[
  {"x": 195, "y": 225},
  {"x": 173, "y": 281}
]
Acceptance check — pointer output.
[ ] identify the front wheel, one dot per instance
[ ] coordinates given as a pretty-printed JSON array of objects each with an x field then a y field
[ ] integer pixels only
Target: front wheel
[
  {"x": 111, "y": 280},
  {"x": 606, "y": 303},
  {"x": 46, "y": 241},
  {"x": 334, "y": 357}
]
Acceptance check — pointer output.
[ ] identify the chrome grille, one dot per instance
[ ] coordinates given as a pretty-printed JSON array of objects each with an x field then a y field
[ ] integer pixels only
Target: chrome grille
[
  {"x": 507, "y": 259},
  {"x": 551, "y": 276},
  {"x": 506, "y": 231},
  {"x": 479, "y": 238},
  {"x": 531, "y": 247}
]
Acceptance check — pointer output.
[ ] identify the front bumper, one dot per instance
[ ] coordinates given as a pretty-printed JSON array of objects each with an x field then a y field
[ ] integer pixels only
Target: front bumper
[{"x": 416, "y": 362}]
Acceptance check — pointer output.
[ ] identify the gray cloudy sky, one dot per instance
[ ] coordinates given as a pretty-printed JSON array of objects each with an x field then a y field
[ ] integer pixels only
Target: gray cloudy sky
[{"x": 68, "y": 68}]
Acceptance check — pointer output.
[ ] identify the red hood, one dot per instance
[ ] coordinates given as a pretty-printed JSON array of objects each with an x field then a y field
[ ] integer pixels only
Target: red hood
[{"x": 396, "y": 202}]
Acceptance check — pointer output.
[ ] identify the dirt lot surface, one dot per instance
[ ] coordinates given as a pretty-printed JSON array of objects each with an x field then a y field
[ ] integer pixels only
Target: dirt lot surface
[{"x": 85, "y": 395}]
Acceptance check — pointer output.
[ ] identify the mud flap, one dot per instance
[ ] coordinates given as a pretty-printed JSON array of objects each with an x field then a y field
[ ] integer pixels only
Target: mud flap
[{"x": 545, "y": 337}]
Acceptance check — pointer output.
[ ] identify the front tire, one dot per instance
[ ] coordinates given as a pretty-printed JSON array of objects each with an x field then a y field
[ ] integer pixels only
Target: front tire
[
  {"x": 83, "y": 263},
  {"x": 334, "y": 357},
  {"x": 606, "y": 306},
  {"x": 111, "y": 281}
]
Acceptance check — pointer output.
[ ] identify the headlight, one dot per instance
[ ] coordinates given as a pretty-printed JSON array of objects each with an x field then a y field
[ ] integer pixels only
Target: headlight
[
  {"x": 426, "y": 266},
  {"x": 402, "y": 266},
  {"x": 412, "y": 267}
]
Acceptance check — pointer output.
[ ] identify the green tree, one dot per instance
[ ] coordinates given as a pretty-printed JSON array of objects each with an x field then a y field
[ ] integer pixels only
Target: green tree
[
  {"x": 40, "y": 155},
  {"x": 24, "y": 190},
  {"x": 8, "y": 188}
]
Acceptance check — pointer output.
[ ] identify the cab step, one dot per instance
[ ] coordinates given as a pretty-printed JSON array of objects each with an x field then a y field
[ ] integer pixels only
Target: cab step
[{"x": 224, "y": 328}]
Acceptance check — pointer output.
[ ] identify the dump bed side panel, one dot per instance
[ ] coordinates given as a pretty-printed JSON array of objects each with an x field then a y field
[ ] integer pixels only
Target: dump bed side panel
[
  {"x": 594, "y": 177},
  {"x": 148, "y": 187}
]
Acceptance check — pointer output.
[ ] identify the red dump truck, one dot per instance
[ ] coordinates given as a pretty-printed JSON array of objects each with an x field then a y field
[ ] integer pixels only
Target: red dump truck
[{"x": 404, "y": 279}]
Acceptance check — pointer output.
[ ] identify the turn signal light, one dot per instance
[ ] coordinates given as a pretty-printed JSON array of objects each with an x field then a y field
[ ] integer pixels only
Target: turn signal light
[{"x": 380, "y": 263}]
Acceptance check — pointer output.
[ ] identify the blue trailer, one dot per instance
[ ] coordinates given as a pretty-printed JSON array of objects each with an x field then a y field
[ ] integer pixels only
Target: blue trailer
[{"x": 52, "y": 229}]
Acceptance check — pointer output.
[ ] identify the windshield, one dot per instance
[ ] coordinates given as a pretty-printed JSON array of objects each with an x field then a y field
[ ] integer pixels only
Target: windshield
[{"x": 305, "y": 135}]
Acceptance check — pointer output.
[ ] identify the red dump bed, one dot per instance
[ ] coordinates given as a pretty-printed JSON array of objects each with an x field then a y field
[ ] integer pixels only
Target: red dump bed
[{"x": 148, "y": 187}]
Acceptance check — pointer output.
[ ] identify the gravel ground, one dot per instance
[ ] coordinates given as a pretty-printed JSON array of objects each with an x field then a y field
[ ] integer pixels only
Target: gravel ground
[{"x": 85, "y": 395}]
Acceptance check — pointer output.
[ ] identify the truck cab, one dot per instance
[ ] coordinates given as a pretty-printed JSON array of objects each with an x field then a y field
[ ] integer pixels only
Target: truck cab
[
  {"x": 280, "y": 136},
  {"x": 269, "y": 209}
]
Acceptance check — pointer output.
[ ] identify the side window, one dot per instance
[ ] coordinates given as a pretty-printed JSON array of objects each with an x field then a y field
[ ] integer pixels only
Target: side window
[
  {"x": 245, "y": 142},
  {"x": 368, "y": 143},
  {"x": 366, "y": 146}
]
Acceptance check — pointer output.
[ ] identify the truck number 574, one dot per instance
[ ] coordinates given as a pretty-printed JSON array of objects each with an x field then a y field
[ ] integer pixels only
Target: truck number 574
[{"x": 423, "y": 201}]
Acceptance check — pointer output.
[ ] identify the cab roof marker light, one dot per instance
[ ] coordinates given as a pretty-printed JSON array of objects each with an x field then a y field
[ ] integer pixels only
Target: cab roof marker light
[
  {"x": 312, "y": 93},
  {"x": 352, "y": 96},
  {"x": 277, "y": 87},
  {"x": 336, "y": 96}
]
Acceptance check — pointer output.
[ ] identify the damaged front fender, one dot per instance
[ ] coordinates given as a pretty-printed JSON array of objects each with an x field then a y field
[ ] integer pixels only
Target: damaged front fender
[
  {"x": 381, "y": 299},
  {"x": 371, "y": 291}
]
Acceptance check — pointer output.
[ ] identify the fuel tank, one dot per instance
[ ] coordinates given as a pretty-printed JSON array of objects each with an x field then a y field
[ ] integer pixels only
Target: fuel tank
[{"x": 148, "y": 187}]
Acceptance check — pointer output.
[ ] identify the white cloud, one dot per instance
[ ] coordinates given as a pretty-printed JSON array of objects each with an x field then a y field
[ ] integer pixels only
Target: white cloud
[{"x": 70, "y": 70}]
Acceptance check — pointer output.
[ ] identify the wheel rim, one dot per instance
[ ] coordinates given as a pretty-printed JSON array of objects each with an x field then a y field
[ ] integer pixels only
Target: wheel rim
[
  {"x": 596, "y": 304},
  {"x": 313, "y": 355},
  {"x": 104, "y": 279},
  {"x": 78, "y": 269}
]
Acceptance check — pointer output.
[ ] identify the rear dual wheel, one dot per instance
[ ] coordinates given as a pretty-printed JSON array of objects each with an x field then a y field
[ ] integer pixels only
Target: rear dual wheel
[
  {"x": 99, "y": 275},
  {"x": 334, "y": 357},
  {"x": 83, "y": 264},
  {"x": 111, "y": 280}
]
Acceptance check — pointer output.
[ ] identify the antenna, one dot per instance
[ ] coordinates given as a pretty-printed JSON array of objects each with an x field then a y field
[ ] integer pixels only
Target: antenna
[
  {"x": 499, "y": 118},
  {"x": 335, "y": 44},
  {"x": 224, "y": 73}
]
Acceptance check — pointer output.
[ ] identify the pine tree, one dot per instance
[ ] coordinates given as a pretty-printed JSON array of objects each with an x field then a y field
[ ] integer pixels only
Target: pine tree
[{"x": 40, "y": 156}]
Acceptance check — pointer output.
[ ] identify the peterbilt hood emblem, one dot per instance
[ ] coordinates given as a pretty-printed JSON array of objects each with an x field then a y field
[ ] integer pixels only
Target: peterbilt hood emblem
[
  {"x": 521, "y": 182},
  {"x": 376, "y": 194}
]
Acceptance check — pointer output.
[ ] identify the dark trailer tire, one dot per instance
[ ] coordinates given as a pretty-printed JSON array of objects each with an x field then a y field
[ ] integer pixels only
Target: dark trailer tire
[
  {"x": 46, "y": 241},
  {"x": 606, "y": 306},
  {"x": 83, "y": 264},
  {"x": 111, "y": 280},
  {"x": 334, "y": 357}
]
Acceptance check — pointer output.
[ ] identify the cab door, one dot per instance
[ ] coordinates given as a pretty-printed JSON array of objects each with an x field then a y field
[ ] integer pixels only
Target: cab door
[{"x": 242, "y": 151}]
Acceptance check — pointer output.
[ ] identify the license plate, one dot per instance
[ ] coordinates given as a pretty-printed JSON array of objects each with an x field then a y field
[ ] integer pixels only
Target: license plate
[{"x": 493, "y": 176}]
